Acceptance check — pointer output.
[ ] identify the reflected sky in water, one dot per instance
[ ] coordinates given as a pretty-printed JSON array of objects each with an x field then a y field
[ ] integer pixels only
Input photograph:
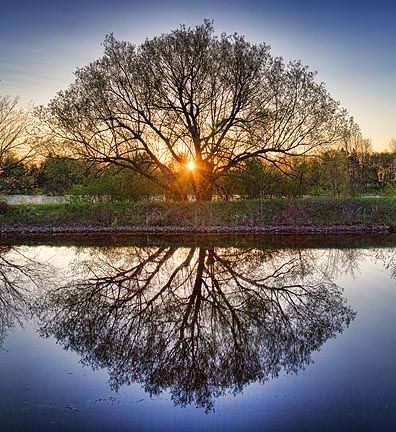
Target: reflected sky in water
[{"x": 197, "y": 337}]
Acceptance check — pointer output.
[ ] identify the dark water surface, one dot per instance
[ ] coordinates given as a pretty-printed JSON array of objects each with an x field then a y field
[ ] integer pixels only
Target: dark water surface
[{"x": 198, "y": 336}]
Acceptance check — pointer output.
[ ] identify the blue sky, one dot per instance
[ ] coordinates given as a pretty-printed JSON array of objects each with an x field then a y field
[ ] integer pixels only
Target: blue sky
[{"x": 350, "y": 43}]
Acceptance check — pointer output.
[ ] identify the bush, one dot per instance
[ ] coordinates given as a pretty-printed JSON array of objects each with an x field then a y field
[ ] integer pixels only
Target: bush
[{"x": 4, "y": 207}]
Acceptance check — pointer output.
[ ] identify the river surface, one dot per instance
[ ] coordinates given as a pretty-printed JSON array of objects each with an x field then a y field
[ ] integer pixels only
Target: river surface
[{"x": 198, "y": 336}]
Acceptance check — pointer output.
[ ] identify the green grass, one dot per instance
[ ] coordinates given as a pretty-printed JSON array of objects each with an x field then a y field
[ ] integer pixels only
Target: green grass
[{"x": 285, "y": 212}]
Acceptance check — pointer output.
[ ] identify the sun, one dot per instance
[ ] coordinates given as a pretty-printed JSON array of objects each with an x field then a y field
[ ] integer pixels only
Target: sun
[{"x": 191, "y": 165}]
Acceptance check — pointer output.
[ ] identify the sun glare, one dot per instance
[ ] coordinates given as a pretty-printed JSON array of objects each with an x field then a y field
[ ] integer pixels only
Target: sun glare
[{"x": 191, "y": 165}]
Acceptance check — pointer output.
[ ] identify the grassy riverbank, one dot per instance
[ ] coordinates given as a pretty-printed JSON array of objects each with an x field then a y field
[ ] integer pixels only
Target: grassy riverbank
[{"x": 300, "y": 213}]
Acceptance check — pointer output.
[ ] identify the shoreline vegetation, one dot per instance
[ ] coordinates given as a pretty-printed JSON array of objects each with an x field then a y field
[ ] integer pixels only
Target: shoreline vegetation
[{"x": 269, "y": 216}]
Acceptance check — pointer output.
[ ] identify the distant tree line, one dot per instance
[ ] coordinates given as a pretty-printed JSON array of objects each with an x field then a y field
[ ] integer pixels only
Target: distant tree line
[{"x": 332, "y": 172}]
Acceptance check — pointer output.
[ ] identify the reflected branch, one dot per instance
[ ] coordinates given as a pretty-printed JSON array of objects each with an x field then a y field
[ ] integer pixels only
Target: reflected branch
[{"x": 17, "y": 274}]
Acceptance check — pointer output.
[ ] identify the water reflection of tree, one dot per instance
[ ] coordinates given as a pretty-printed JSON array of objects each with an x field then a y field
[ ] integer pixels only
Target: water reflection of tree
[
  {"x": 388, "y": 258},
  {"x": 17, "y": 274},
  {"x": 348, "y": 261},
  {"x": 198, "y": 322}
]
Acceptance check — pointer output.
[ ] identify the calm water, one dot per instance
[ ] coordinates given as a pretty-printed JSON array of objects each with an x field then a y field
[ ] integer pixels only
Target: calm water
[{"x": 198, "y": 337}]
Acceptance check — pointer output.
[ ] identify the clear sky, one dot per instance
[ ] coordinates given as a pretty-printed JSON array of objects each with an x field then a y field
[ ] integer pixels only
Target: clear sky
[{"x": 351, "y": 43}]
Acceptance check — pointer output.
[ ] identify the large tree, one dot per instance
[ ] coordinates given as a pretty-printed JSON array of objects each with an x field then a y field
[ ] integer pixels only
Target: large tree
[{"x": 187, "y": 107}]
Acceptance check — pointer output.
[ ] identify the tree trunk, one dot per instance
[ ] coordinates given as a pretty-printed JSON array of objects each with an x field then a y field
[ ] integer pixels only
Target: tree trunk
[
  {"x": 204, "y": 193},
  {"x": 203, "y": 182}
]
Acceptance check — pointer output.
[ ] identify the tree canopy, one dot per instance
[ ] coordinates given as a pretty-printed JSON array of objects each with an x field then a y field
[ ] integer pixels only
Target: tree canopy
[{"x": 185, "y": 108}]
